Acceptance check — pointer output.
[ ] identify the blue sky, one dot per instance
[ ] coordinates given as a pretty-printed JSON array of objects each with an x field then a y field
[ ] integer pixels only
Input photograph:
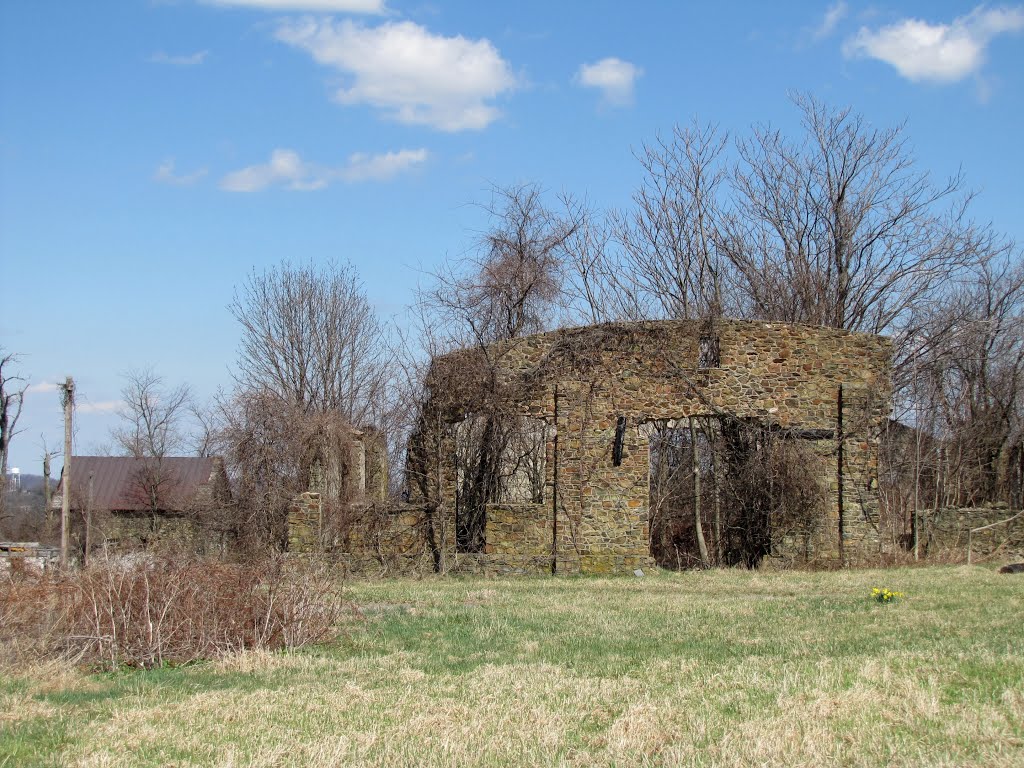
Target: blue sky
[{"x": 153, "y": 153}]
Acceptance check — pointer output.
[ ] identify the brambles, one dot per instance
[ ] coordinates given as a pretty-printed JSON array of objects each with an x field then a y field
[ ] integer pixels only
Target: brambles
[{"x": 150, "y": 612}]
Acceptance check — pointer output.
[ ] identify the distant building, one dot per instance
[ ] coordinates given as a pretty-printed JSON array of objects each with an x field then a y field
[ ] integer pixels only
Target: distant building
[{"x": 131, "y": 503}]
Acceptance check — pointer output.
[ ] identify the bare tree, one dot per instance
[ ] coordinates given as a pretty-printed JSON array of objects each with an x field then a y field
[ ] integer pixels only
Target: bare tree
[
  {"x": 312, "y": 367},
  {"x": 153, "y": 416},
  {"x": 970, "y": 377},
  {"x": 48, "y": 456},
  {"x": 836, "y": 226},
  {"x": 310, "y": 337},
  {"x": 839, "y": 227},
  {"x": 509, "y": 285},
  {"x": 207, "y": 425},
  {"x": 591, "y": 293},
  {"x": 670, "y": 239},
  {"x": 12, "y": 399},
  {"x": 153, "y": 428}
]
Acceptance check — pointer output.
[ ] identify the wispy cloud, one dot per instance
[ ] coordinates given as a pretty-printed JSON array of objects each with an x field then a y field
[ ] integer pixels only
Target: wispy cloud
[
  {"x": 835, "y": 13},
  {"x": 166, "y": 174},
  {"x": 182, "y": 60},
  {"x": 363, "y": 167},
  {"x": 311, "y": 6},
  {"x": 614, "y": 77},
  {"x": 287, "y": 169},
  {"x": 940, "y": 53},
  {"x": 105, "y": 406},
  {"x": 410, "y": 74},
  {"x": 43, "y": 386}
]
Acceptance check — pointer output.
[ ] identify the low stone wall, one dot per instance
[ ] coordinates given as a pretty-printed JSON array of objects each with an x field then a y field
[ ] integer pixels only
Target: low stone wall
[
  {"x": 499, "y": 565},
  {"x": 124, "y": 532},
  {"x": 947, "y": 531},
  {"x": 369, "y": 540},
  {"x": 16, "y": 555},
  {"x": 523, "y": 530}
]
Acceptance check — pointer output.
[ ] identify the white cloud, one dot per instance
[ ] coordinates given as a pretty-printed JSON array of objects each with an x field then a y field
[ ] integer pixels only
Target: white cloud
[
  {"x": 312, "y": 6},
  {"x": 413, "y": 76},
  {"x": 286, "y": 168},
  {"x": 105, "y": 406},
  {"x": 942, "y": 53},
  {"x": 615, "y": 78},
  {"x": 362, "y": 167},
  {"x": 835, "y": 13},
  {"x": 184, "y": 60},
  {"x": 44, "y": 386},
  {"x": 165, "y": 174}
]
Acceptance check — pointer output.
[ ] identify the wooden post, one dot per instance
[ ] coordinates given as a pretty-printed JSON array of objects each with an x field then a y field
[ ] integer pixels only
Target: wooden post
[
  {"x": 840, "y": 457},
  {"x": 65, "y": 503},
  {"x": 88, "y": 524},
  {"x": 717, "y": 499},
  {"x": 554, "y": 488}
]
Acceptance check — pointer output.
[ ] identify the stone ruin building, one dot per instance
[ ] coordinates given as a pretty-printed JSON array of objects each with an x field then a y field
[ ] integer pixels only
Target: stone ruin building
[
  {"x": 347, "y": 470},
  {"x": 541, "y": 454}
]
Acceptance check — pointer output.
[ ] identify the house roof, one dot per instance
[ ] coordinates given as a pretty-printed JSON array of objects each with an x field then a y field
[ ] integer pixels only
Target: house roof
[{"x": 120, "y": 482}]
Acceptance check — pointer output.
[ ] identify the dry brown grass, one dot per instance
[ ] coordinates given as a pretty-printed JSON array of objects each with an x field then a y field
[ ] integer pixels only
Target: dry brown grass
[{"x": 714, "y": 669}]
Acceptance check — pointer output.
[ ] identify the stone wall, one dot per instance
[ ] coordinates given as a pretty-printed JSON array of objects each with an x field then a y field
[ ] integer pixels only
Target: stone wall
[
  {"x": 195, "y": 533},
  {"x": 945, "y": 533},
  {"x": 519, "y": 529},
  {"x": 365, "y": 538},
  {"x": 594, "y": 516},
  {"x": 305, "y": 523}
]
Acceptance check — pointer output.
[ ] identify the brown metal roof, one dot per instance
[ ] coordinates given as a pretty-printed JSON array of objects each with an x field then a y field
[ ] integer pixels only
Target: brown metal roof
[{"x": 119, "y": 483}]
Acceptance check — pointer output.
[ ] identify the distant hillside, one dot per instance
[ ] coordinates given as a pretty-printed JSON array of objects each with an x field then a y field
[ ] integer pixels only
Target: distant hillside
[{"x": 34, "y": 483}]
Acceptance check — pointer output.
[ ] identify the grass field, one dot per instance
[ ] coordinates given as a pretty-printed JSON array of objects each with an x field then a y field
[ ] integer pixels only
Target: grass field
[{"x": 715, "y": 668}]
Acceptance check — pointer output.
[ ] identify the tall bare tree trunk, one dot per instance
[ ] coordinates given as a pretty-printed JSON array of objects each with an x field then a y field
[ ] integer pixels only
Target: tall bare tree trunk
[
  {"x": 697, "y": 526},
  {"x": 717, "y": 502},
  {"x": 47, "y": 496}
]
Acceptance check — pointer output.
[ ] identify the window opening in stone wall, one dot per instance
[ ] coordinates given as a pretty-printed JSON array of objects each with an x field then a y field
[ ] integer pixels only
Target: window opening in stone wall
[
  {"x": 760, "y": 490},
  {"x": 499, "y": 459},
  {"x": 708, "y": 352},
  {"x": 620, "y": 434},
  {"x": 522, "y": 463}
]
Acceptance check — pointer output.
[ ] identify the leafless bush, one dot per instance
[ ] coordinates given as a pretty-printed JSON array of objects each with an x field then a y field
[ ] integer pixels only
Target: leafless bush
[
  {"x": 29, "y": 611},
  {"x": 149, "y": 612}
]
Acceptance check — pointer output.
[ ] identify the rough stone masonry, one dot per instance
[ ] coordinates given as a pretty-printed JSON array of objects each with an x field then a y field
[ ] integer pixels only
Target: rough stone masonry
[{"x": 586, "y": 398}]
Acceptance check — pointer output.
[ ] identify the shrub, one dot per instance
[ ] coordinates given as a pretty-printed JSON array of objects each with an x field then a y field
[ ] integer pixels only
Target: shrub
[{"x": 156, "y": 611}]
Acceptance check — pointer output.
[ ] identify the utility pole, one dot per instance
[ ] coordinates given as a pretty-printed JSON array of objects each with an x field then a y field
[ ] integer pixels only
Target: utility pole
[{"x": 68, "y": 396}]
